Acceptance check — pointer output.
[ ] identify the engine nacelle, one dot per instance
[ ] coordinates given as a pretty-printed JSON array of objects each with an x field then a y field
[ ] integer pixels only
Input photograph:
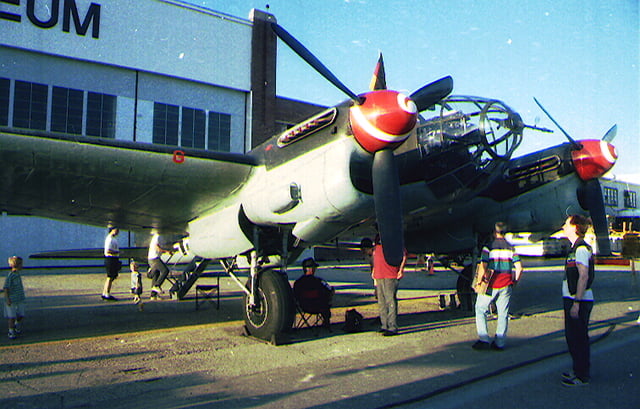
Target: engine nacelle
[
  {"x": 219, "y": 234},
  {"x": 312, "y": 194}
]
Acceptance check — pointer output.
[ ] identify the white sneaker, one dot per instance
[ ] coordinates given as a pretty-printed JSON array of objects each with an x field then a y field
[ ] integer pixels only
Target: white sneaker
[{"x": 12, "y": 334}]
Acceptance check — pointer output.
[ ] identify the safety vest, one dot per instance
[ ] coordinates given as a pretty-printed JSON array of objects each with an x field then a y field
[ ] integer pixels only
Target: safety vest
[{"x": 571, "y": 268}]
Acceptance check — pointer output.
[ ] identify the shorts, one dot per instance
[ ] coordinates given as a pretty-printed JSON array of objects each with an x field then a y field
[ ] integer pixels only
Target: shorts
[
  {"x": 13, "y": 311},
  {"x": 113, "y": 266}
]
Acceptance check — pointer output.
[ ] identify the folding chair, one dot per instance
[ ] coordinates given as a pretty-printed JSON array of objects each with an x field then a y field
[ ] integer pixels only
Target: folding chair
[
  {"x": 207, "y": 292},
  {"x": 309, "y": 314},
  {"x": 308, "y": 319}
]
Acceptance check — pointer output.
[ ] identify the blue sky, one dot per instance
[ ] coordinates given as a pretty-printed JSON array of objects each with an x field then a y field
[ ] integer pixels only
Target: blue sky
[{"x": 580, "y": 58}]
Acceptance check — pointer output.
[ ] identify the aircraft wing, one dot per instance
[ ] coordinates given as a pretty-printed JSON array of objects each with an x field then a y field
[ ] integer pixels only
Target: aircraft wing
[
  {"x": 84, "y": 254},
  {"x": 100, "y": 181}
]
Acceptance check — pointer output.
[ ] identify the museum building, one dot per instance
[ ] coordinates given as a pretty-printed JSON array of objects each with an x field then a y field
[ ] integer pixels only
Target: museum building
[{"x": 152, "y": 71}]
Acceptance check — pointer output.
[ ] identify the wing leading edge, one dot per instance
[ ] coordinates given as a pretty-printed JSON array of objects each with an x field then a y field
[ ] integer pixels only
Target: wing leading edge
[{"x": 101, "y": 181}]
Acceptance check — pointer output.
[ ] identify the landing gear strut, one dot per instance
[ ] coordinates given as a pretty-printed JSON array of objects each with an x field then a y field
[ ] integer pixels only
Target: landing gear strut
[{"x": 269, "y": 309}]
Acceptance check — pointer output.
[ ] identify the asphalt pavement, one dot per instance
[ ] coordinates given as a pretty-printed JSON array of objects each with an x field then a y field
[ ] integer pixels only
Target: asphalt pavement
[{"x": 79, "y": 351}]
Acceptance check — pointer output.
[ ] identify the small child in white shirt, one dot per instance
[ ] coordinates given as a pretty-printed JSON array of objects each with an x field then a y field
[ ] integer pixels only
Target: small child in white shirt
[{"x": 136, "y": 281}]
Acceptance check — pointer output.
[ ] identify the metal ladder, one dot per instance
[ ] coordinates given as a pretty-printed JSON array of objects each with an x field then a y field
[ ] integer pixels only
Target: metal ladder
[{"x": 183, "y": 283}]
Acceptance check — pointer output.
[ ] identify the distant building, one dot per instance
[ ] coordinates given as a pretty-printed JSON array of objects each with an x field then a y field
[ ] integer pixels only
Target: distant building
[
  {"x": 152, "y": 71},
  {"x": 621, "y": 202},
  {"x": 621, "y": 205}
]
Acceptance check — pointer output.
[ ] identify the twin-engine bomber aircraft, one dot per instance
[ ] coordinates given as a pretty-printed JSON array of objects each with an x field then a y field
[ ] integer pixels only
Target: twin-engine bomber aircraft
[{"x": 431, "y": 172}]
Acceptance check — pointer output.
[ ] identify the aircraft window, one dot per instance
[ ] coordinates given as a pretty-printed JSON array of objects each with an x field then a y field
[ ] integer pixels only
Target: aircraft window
[
  {"x": 5, "y": 83},
  {"x": 193, "y": 128},
  {"x": 101, "y": 115},
  {"x": 429, "y": 137},
  {"x": 219, "y": 132},
  {"x": 66, "y": 110},
  {"x": 165, "y": 124},
  {"x": 30, "y": 105},
  {"x": 451, "y": 125}
]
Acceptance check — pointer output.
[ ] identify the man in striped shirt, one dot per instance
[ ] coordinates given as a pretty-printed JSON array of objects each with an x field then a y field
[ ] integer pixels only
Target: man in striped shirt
[{"x": 500, "y": 265}]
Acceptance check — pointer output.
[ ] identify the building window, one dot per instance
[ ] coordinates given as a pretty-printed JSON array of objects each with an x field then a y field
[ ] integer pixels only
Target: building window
[
  {"x": 610, "y": 196},
  {"x": 630, "y": 199},
  {"x": 30, "y": 105},
  {"x": 165, "y": 124},
  {"x": 5, "y": 83},
  {"x": 101, "y": 115},
  {"x": 219, "y": 132},
  {"x": 193, "y": 128},
  {"x": 66, "y": 110}
]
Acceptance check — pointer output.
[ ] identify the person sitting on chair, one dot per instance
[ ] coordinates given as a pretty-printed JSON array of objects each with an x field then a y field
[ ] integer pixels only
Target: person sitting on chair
[{"x": 313, "y": 294}]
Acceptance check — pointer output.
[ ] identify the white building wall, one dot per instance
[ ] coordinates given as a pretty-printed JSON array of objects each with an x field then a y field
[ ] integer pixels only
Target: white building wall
[
  {"x": 125, "y": 118},
  {"x": 25, "y": 235},
  {"x": 158, "y": 50},
  {"x": 145, "y": 121},
  {"x": 165, "y": 37}
]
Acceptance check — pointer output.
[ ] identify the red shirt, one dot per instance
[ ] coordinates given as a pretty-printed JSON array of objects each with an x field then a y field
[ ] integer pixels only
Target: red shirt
[{"x": 380, "y": 267}]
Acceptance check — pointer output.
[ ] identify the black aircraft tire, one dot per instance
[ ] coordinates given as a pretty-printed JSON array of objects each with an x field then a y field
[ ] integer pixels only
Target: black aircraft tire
[{"x": 275, "y": 311}]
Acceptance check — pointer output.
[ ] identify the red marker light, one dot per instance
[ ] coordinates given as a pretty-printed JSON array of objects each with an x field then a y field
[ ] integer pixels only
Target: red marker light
[
  {"x": 594, "y": 159},
  {"x": 178, "y": 157}
]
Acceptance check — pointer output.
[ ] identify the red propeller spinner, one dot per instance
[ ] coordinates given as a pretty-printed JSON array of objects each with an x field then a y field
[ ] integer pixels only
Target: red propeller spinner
[
  {"x": 383, "y": 120},
  {"x": 594, "y": 159}
]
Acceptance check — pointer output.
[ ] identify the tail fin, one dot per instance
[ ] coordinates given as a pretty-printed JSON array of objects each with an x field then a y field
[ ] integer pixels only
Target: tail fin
[{"x": 378, "y": 81}]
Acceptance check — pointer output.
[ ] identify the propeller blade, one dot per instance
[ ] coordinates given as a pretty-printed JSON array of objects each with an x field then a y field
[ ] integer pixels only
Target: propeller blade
[
  {"x": 611, "y": 133},
  {"x": 432, "y": 93},
  {"x": 386, "y": 193},
  {"x": 575, "y": 144},
  {"x": 590, "y": 197},
  {"x": 311, "y": 59}
]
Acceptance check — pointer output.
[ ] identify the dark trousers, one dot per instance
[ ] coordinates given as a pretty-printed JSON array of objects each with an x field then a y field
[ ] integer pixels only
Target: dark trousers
[
  {"x": 387, "y": 289},
  {"x": 112, "y": 265},
  {"x": 157, "y": 272},
  {"x": 576, "y": 332}
]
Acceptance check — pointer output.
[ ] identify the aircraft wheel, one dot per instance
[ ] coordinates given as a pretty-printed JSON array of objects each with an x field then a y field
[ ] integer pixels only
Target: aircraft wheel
[{"x": 274, "y": 311}]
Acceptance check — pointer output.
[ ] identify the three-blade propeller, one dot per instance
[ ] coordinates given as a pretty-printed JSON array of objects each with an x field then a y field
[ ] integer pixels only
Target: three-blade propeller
[
  {"x": 592, "y": 159},
  {"x": 575, "y": 144},
  {"x": 381, "y": 120},
  {"x": 311, "y": 59},
  {"x": 431, "y": 93}
]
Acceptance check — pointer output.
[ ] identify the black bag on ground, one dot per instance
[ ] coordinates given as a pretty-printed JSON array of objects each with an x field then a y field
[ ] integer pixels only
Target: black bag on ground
[{"x": 352, "y": 321}]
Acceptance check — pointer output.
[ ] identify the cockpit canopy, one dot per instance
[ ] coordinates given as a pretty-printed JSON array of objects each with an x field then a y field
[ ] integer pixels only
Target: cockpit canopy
[{"x": 484, "y": 129}]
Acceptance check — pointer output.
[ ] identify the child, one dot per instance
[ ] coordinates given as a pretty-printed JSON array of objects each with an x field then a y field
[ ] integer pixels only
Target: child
[
  {"x": 136, "y": 281},
  {"x": 14, "y": 297}
]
